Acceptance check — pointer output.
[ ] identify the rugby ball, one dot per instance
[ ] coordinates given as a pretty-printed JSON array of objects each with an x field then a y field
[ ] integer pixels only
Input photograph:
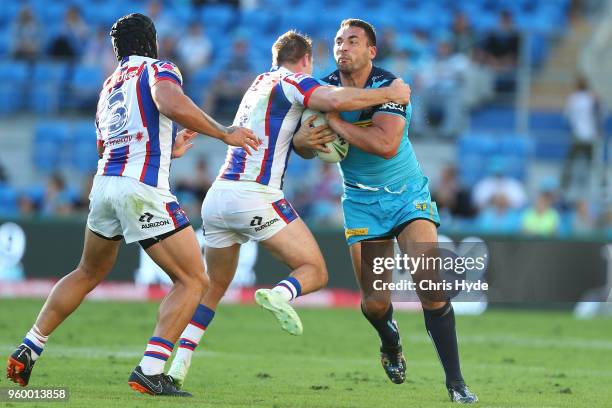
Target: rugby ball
[{"x": 338, "y": 148}]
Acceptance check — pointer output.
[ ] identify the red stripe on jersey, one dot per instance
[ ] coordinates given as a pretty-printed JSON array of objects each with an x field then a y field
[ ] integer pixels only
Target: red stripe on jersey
[
  {"x": 295, "y": 84},
  {"x": 142, "y": 114},
  {"x": 267, "y": 127},
  {"x": 174, "y": 81},
  {"x": 308, "y": 94},
  {"x": 146, "y": 162},
  {"x": 143, "y": 118}
]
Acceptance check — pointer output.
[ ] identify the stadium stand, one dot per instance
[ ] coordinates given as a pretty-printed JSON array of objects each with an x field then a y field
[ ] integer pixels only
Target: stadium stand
[{"x": 60, "y": 93}]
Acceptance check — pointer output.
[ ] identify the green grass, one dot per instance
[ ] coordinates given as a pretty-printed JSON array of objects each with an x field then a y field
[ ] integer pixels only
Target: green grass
[{"x": 510, "y": 359}]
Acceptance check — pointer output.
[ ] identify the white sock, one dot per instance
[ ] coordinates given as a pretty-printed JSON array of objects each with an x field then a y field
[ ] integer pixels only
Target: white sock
[
  {"x": 35, "y": 341},
  {"x": 156, "y": 354},
  {"x": 191, "y": 337},
  {"x": 289, "y": 288}
]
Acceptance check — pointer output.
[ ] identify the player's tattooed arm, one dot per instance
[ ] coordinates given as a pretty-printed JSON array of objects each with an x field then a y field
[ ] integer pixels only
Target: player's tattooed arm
[
  {"x": 309, "y": 138},
  {"x": 382, "y": 138},
  {"x": 174, "y": 104}
]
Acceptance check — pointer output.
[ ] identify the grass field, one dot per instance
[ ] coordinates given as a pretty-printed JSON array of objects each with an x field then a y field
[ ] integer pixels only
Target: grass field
[{"x": 510, "y": 359}]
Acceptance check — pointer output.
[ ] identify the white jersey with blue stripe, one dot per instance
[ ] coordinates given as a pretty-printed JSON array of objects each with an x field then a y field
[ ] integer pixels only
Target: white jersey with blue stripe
[
  {"x": 272, "y": 107},
  {"x": 136, "y": 137}
]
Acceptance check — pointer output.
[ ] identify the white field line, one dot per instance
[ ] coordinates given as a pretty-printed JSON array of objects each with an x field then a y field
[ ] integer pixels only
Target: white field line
[{"x": 135, "y": 353}]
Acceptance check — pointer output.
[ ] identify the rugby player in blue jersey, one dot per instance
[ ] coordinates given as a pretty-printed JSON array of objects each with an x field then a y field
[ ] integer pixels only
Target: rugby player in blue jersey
[{"x": 386, "y": 198}]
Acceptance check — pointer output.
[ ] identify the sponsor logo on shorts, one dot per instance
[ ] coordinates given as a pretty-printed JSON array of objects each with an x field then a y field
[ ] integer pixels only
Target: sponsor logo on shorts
[
  {"x": 256, "y": 221},
  {"x": 155, "y": 224},
  {"x": 420, "y": 205},
  {"x": 352, "y": 232},
  {"x": 146, "y": 219},
  {"x": 267, "y": 224}
]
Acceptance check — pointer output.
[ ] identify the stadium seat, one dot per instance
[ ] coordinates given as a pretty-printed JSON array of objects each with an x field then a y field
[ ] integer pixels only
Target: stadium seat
[
  {"x": 83, "y": 150},
  {"x": 8, "y": 200},
  {"x": 47, "y": 71},
  {"x": 50, "y": 139},
  {"x": 36, "y": 193},
  {"x": 222, "y": 14},
  {"x": 85, "y": 84},
  {"x": 49, "y": 77},
  {"x": 50, "y": 10},
  {"x": 13, "y": 87}
]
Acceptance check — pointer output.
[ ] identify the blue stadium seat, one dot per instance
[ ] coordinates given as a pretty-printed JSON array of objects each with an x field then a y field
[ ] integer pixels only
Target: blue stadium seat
[
  {"x": 45, "y": 98},
  {"x": 14, "y": 71},
  {"x": 222, "y": 15},
  {"x": 8, "y": 200},
  {"x": 85, "y": 85},
  {"x": 47, "y": 71},
  {"x": 50, "y": 10},
  {"x": 260, "y": 20},
  {"x": 551, "y": 147},
  {"x": 11, "y": 97},
  {"x": 48, "y": 149},
  {"x": 477, "y": 153},
  {"x": 83, "y": 151},
  {"x": 49, "y": 78},
  {"x": 8, "y": 12}
]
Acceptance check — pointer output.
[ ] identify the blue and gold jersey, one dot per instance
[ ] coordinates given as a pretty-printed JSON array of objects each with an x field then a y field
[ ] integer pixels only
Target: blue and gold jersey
[{"x": 360, "y": 168}]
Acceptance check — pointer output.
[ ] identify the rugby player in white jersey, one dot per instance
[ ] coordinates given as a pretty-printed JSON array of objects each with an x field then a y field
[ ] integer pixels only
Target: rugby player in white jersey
[
  {"x": 131, "y": 199},
  {"x": 246, "y": 201}
]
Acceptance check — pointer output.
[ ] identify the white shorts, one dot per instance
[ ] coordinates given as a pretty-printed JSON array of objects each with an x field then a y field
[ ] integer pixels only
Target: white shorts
[
  {"x": 123, "y": 206},
  {"x": 235, "y": 212}
]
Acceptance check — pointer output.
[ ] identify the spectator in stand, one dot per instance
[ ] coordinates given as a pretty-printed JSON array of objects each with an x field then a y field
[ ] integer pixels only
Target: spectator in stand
[
  {"x": 606, "y": 221},
  {"x": 82, "y": 203},
  {"x": 73, "y": 35},
  {"x": 194, "y": 49},
  {"x": 323, "y": 59},
  {"x": 386, "y": 45},
  {"x": 235, "y": 77},
  {"x": 168, "y": 48},
  {"x": 199, "y": 183},
  {"x": 498, "y": 217},
  {"x": 57, "y": 200},
  {"x": 498, "y": 183},
  {"x": 582, "y": 219},
  {"x": 26, "y": 205},
  {"x": 542, "y": 218},
  {"x": 99, "y": 51},
  {"x": 582, "y": 110},
  {"x": 450, "y": 196},
  {"x": 462, "y": 35},
  {"x": 3, "y": 176},
  {"x": 325, "y": 195},
  {"x": 233, "y": 3},
  {"x": 501, "y": 50},
  {"x": 25, "y": 36},
  {"x": 164, "y": 24},
  {"x": 442, "y": 86}
]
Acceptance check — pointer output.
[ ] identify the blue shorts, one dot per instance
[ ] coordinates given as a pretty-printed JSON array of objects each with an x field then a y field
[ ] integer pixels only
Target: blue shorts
[{"x": 383, "y": 213}]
